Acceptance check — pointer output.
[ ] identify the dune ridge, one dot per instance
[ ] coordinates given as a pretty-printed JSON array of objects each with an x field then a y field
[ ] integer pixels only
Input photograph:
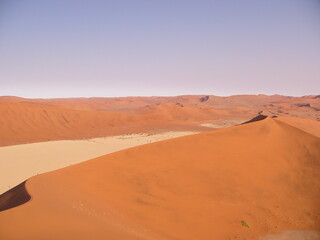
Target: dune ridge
[
  {"x": 14, "y": 197},
  {"x": 193, "y": 187},
  {"x": 20, "y": 162},
  {"x": 308, "y": 125},
  {"x": 37, "y": 120}
]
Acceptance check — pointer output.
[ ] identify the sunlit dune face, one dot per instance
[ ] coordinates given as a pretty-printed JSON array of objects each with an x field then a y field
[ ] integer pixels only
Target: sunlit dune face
[
  {"x": 242, "y": 182},
  {"x": 39, "y": 120}
]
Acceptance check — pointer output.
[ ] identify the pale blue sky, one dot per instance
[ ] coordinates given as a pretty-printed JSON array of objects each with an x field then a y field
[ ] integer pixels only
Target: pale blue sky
[{"x": 70, "y": 48}]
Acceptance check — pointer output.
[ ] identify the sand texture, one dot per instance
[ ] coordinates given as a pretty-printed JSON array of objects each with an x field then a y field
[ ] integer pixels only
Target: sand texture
[
  {"x": 257, "y": 180},
  {"x": 20, "y": 162},
  {"x": 38, "y": 120}
]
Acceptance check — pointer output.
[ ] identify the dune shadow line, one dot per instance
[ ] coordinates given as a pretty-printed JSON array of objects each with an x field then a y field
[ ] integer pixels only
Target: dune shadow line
[
  {"x": 255, "y": 119},
  {"x": 14, "y": 197}
]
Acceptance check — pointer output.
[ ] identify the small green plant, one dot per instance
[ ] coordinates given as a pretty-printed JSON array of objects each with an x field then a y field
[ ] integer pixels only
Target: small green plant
[{"x": 244, "y": 224}]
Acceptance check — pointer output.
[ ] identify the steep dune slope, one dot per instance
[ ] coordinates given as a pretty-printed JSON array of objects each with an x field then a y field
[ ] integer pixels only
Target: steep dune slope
[
  {"x": 29, "y": 122},
  {"x": 23, "y": 122},
  {"x": 307, "y": 125},
  {"x": 36, "y": 120},
  {"x": 266, "y": 173}
]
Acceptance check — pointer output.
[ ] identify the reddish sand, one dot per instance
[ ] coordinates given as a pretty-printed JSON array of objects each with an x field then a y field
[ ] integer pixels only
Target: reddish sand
[
  {"x": 307, "y": 125},
  {"x": 37, "y": 120},
  {"x": 20, "y": 162},
  {"x": 266, "y": 173},
  {"x": 27, "y": 122}
]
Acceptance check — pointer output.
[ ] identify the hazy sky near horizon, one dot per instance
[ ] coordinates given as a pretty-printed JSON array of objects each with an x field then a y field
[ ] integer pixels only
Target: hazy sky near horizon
[{"x": 70, "y": 48}]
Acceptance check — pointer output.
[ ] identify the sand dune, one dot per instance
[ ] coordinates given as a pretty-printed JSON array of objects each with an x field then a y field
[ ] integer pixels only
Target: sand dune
[
  {"x": 20, "y": 162},
  {"x": 28, "y": 122},
  {"x": 37, "y": 120},
  {"x": 307, "y": 125},
  {"x": 264, "y": 175}
]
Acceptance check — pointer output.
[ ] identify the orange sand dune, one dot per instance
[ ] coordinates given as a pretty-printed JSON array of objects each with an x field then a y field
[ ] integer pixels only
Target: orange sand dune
[
  {"x": 307, "y": 125},
  {"x": 37, "y": 120},
  {"x": 34, "y": 122},
  {"x": 265, "y": 174},
  {"x": 20, "y": 162}
]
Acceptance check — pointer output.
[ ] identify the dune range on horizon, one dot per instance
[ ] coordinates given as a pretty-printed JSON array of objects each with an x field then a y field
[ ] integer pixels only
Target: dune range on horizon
[{"x": 37, "y": 120}]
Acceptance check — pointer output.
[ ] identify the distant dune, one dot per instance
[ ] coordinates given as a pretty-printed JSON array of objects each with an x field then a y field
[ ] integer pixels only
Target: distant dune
[
  {"x": 242, "y": 182},
  {"x": 37, "y": 120}
]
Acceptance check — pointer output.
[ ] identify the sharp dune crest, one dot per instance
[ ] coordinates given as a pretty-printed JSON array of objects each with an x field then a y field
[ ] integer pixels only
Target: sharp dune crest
[
  {"x": 307, "y": 125},
  {"x": 14, "y": 197},
  {"x": 195, "y": 187}
]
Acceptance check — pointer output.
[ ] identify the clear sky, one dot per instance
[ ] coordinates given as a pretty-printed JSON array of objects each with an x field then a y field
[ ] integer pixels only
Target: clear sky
[{"x": 70, "y": 48}]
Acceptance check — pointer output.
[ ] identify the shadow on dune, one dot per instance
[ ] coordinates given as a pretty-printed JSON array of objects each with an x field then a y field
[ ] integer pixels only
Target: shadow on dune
[
  {"x": 14, "y": 197},
  {"x": 255, "y": 119}
]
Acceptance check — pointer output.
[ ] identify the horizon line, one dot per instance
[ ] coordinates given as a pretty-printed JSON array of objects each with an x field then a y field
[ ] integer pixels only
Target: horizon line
[{"x": 151, "y": 96}]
